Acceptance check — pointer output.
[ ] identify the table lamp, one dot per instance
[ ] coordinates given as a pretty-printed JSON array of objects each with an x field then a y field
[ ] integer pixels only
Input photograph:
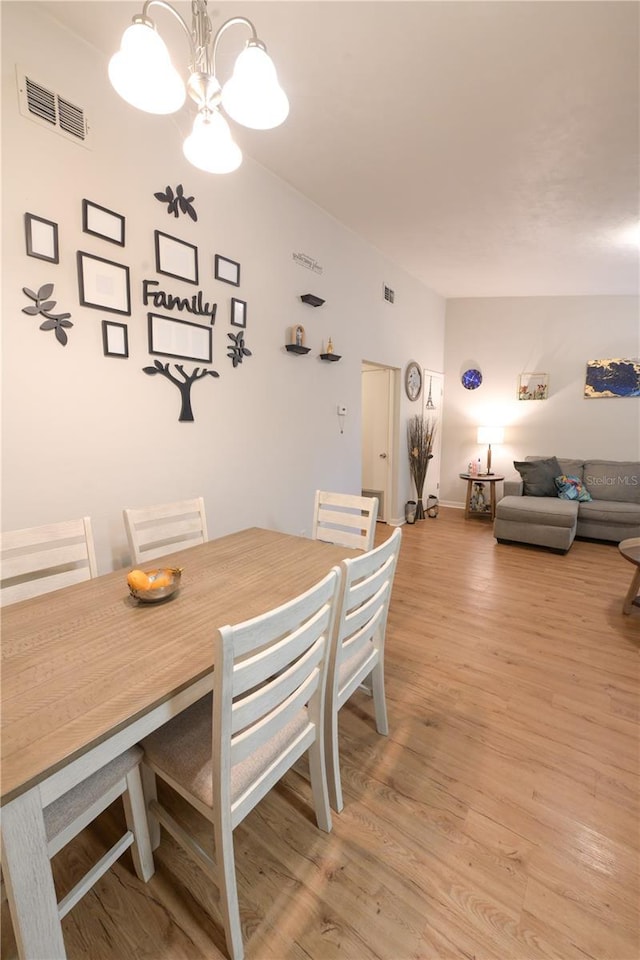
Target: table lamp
[{"x": 490, "y": 435}]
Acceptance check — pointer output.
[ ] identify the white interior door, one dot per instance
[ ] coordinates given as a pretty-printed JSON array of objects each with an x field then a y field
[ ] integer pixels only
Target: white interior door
[
  {"x": 432, "y": 397},
  {"x": 376, "y": 440}
]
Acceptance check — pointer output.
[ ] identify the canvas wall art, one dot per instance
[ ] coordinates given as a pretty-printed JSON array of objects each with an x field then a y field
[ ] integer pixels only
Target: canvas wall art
[{"x": 612, "y": 378}]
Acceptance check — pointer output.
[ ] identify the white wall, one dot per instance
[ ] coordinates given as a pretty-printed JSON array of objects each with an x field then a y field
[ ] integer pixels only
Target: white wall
[
  {"x": 87, "y": 434},
  {"x": 555, "y": 335}
]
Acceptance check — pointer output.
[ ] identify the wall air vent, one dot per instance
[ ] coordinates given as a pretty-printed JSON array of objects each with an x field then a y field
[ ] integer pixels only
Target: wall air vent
[
  {"x": 389, "y": 294},
  {"x": 50, "y": 109}
]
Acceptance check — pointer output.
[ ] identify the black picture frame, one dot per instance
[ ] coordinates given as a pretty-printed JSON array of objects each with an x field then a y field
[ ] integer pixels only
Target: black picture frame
[
  {"x": 238, "y": 313},
  {"x": 226, "y": 270},
  {"x": 41, "y": 238},
  {"x": 103, "y": 223},
  {"x": 176, "y": 258},
  {"x": 184, "y": 339},
  {"x": 103, "y": 284},
  {"x": 115, "y": 339}
]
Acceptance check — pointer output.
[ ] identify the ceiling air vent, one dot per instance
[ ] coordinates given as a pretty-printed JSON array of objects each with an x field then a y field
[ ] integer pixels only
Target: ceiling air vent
[
  {"x": 50, "y": 109},
  {"x": 389, "y": 294}
]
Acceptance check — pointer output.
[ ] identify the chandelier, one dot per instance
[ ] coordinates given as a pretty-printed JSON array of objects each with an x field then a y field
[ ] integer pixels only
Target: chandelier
[{"x": 143, "y": 74}]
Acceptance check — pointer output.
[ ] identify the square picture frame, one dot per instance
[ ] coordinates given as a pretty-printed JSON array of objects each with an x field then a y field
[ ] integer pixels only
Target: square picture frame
[
  {"x": 183, "y": 339},
  {"x": 226, "y": 270},
  {"x": 103, "y": 284},
  {"x": 115, "y": 339},
  {"x": 41, "y": 238},
  {"x": 103, "y": 223},
  {"x": 533, "y": 386},
  {"x": 238, "y": 313},
  {"x": 176, "y": 258}
]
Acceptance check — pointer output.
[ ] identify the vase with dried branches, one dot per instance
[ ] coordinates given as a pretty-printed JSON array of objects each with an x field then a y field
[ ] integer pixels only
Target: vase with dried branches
[{"x": 421, "y": 433}]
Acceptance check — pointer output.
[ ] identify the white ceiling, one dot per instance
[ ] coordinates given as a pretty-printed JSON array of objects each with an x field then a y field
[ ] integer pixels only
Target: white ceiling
[{"x": 489, "y": 148}]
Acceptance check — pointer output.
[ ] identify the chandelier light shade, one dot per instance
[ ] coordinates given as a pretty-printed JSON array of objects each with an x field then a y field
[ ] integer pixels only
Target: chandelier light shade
[
  {"x": 142, "y": 73},
  {"x": 490, "y": 435},
  {"x": 253, "y": 96},
  {"x": 210, "y": 146}
]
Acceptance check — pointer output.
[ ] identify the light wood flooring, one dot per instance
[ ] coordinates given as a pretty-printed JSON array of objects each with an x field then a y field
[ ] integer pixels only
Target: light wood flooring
[{"x": 498, "y": 821}]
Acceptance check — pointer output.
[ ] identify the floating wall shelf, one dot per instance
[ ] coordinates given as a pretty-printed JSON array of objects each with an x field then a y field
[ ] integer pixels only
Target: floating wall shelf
[
  {"x": 311, "y": 299},
  {"x": 296, "y": 348},
  {"x": 330, "y": 356}
]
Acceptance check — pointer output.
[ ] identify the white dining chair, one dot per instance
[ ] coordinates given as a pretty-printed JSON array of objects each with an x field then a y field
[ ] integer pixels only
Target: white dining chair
[
  {"x": 345, "y": 519},
  {"x": 160, "y": 529},
  {"x": 36, "y": 560},
  {"x": 357, "y": 649},
  {"x": 227, "y": 751},
  {"x": 71, "y": 813}
]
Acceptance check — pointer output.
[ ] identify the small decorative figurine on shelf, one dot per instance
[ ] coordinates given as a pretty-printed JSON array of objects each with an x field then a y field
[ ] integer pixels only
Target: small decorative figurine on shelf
[
  {"x": 298, "y": 335},
  {"x": 329, "y": 345}
]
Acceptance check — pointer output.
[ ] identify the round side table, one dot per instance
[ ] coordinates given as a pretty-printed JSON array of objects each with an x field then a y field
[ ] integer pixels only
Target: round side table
[{"x": 476, "y": 504}]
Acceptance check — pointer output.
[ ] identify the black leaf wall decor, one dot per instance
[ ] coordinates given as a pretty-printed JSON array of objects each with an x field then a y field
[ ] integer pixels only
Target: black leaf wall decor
[
  {"x": 183, "y": 383},
  {"x": 236, "y": 349},
  {"x": 43, "y": 306},
  {"x": 177, "y": 202}
]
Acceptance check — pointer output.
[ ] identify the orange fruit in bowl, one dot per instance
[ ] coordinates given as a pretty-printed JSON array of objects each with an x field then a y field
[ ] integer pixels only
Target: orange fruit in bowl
[
  {"x": 139, "y": 580},
  {"x": 161, "y": 579}
]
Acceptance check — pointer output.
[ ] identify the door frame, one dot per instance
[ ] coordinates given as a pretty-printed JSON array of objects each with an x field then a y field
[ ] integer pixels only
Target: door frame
[{"x": 393, "y": 456}]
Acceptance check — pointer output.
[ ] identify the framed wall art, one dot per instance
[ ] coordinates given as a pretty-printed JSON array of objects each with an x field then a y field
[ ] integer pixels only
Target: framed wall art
[
  {"x": 171, "y": 337},
  {"x": 176, "y": 258},
  {"x": 115, "y": 339},
  {"x": 238, "y": 313},
  {"x": 612, "y": 378},
  {"x": 103, "y": 223},
  {"x": 103, "y": 284},
  {"x": 533, "y": 386},
  {"x": 41, "y": 237},
  {"x": 227, "y": 270}
]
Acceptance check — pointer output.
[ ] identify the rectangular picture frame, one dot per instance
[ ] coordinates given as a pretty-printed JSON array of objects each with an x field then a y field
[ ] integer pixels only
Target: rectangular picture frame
[
  {"x": 238, "y": 313},
  {"x": 41, "y": 238},
  {"x": 226, "y": 270},
  {"x": 115, "y": 339},
  {"x": 171, "y": 337},
  {"x": 176, "y": 258},
  {"x": 103, "y": 223},
  {"x": 103, "y": 284},
  {"x": 614, "y": 377},
  {"x": 533, "y": 386}
]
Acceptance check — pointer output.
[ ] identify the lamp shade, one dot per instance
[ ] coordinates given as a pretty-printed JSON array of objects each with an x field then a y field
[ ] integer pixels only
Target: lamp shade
[
  {"x": 490, "y": 434},
  {"x": 253, "y": 96},
  {"x": 210, "y": 146},
  {"x": 142, "y": 73}
]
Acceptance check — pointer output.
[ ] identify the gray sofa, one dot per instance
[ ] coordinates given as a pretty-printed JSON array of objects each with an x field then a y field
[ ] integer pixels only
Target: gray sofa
[{"x": 612, "y": 514}]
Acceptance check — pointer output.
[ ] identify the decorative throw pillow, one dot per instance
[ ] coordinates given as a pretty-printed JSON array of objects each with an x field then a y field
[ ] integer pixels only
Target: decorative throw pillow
[
  {"x": 539, "y": 476},
  {"x": 571, "y": 488}
]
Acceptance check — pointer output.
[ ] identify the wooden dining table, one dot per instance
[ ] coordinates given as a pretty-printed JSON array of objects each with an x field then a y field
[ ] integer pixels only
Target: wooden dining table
[{"x": 87, "y": 671}]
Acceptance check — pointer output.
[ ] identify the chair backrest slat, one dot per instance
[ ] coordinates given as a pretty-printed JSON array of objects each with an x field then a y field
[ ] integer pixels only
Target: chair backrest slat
[
  {"x": 37, "y": 560},
  {"x": 155, "y": 531},
  {"x": 345, "y": 519}
]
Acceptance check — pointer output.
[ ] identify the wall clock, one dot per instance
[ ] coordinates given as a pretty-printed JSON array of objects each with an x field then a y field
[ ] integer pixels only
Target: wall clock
[
  {"x": 471, "y": 379},
  {"x": 413, "y": 380}
]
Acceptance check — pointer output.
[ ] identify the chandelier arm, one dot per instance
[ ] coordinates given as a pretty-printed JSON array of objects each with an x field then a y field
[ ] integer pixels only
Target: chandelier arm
[
  {"x": 228, "y": 23},
  {"x": 179, "y": 18}
]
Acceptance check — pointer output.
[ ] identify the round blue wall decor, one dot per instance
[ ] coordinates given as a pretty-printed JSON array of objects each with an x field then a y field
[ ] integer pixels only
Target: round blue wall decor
[{"x": 471, "y": 379}]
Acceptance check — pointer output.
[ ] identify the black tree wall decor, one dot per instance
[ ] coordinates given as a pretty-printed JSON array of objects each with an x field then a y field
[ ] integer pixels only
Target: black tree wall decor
[
  {"x": 177, "y": 202},
  {"x": 44, "y": 306},
  {"x": 184, "y": 385},
  {"x": 237, "y": 349}
]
